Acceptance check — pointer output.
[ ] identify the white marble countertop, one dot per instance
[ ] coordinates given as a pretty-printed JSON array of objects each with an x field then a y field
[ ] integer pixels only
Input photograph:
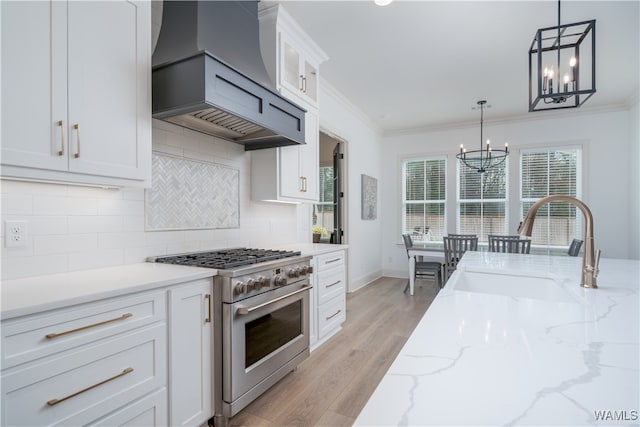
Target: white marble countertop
[
  {"x": 485, "y": 359},
  {"x": 39, "y": 293}
]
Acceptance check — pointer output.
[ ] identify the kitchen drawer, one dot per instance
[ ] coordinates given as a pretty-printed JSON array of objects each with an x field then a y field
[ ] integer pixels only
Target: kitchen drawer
[
  {"x": 331, "y": 315},
  {"x": 330, "y": 284},
  {"x": 330, "y": 260},
  {"x": 25, "y": 339},
  {"x": 146, "y": 412},
  {"x": 89, "y": 382}
]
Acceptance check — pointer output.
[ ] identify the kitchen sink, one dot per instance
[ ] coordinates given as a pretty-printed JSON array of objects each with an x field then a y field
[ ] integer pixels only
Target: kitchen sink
[{"x": 513, "y": 285}]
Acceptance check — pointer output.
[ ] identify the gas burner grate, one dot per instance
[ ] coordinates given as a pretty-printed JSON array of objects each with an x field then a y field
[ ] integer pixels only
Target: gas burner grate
[{"x": 228, "y": 258}]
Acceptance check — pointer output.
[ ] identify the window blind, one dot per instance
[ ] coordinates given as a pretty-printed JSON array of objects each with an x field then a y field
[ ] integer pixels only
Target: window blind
[
  {"x": 482, "y": 201},
  {"x": 424, "y": 198},
  {"x": 544, "y": 172}
]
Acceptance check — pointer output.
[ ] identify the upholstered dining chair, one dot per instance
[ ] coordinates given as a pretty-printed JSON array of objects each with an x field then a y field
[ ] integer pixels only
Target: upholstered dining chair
[
  {"x": 424, "y": 269},
  {"x": 455, "y": 245},
  {"x": 509, "y": 244}
]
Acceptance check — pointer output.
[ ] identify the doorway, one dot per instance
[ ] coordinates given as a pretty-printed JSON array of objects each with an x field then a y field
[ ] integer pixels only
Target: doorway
[{"x": 329, "y": 212}]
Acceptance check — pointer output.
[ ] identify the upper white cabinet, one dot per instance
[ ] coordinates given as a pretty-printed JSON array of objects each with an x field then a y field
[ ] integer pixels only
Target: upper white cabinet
[
  {"x": 292, "y": 59},
  {"x": 288, "y": 174},
  {"x": 76, "y": 103}
]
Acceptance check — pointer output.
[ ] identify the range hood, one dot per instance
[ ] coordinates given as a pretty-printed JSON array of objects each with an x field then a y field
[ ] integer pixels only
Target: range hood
[{"x": 208, "y": 75}]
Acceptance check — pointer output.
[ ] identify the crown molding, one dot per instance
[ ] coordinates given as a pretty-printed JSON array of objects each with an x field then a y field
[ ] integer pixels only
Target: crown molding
[
  {"x": 517, "y": 118},
  {"x": 335, "y": 94}
]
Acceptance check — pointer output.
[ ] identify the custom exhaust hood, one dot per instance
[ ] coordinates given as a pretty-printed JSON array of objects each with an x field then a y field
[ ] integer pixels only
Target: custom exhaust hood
[{"x": 208, "y": 75}]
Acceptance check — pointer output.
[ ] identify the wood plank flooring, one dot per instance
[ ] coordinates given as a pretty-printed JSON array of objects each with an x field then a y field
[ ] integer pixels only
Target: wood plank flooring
[{"x": 334, "y": 383}]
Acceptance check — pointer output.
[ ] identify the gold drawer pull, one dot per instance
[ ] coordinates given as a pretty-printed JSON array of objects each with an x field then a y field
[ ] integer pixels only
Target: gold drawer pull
[
  {"x": 333, "y": 315},
  {"x": 333, "y": 284},
  {"x": 332, "y": 260},
  {"x": 53, "y": 402},
  {"x": 82, "y": 328}
]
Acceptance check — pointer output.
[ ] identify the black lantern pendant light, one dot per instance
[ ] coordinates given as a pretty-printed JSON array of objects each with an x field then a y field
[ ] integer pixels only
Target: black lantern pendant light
[
  {"x": 562, "y": 66},
  {"x": 486, "y": 157}
]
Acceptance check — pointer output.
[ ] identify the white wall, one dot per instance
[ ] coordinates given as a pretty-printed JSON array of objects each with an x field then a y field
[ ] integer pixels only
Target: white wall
[
  {"x": 608, "y": 183},
  {"x": 73, "y": 228},
  {"x": 363, "y": 148}
]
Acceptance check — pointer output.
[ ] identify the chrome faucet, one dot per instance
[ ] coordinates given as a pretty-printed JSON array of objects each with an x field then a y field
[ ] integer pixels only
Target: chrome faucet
[{"x": 590, "y": 261}]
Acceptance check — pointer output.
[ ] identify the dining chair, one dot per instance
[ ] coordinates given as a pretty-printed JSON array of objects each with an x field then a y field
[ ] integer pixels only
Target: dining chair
[
  {"x": 423, "y": 269},
  {"x": 574, "y": 248},
  {"x": 512, "y": 244},
  {"x": 455, "y": 245}
]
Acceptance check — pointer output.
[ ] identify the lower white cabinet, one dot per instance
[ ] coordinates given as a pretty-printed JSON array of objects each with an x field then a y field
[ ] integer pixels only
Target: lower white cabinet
[
  {"x": 140, "y": 359},
  {"x": 329, "y": 309},
  {"x": 190, "y": 353}
]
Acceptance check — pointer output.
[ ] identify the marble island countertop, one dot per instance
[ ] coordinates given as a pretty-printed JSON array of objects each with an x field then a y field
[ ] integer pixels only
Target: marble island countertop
[{"x": 563, "y": 355}]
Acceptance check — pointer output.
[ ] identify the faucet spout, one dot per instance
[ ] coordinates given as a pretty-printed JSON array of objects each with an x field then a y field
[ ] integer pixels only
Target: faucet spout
[{"x": 589, "y": 260}]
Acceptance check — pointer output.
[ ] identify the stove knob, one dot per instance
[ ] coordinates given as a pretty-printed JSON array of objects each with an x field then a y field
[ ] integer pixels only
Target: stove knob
[
  {"x": 240, "y": 288},
  {"x": 308, "y": 269},
  {"x": 293, "y": 272},
  {"x": 279, "y": 281},
  {"x": 262, "y": 282},
  {"x": 251, "y": 285}
]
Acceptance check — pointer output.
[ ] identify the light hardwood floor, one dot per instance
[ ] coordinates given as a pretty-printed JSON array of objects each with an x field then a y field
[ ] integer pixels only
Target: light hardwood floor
[{"x": 334, "y": 383}]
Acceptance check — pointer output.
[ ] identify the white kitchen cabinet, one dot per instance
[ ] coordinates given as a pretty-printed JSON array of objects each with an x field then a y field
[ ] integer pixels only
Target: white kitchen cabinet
[
  {"x": 76, "y": 98},
  {"x": 292, "y": 59},
  {"x": 329, "y": 280},
  {"x": 190, "y": 353},
  {"x": 288, "y": 174},
  {"x": 77, "y": 365}
]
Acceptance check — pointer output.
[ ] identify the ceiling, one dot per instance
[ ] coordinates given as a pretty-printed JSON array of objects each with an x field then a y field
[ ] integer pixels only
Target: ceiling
[{"x": 416, "y": 65}]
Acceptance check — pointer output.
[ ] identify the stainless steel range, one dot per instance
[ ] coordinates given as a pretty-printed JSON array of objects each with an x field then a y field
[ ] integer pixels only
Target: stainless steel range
[{"x": 262, "y": 302}]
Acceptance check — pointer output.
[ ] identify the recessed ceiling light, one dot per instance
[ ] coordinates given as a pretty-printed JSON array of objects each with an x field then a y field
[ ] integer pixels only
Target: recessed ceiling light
[{"x": 382, "y": 2}]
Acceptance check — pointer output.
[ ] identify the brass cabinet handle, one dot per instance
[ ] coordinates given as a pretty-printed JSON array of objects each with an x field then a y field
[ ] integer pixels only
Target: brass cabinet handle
[
  {"x": 333, "y": 284},
  {"x": 53, "y": 402},
  {"x": 61, "y": 151},
  {"x": 333, "y": 315},
  {"x": 302, "y": 183},
  {"x": 304, "y": 84},
  {"x": 207, "y": 298},
  {"x": 332, "y": 260},
  {"x": 82, "y": 328},
  {"x": 77, "y": 128},
  {"x": 301, "y": 83}
]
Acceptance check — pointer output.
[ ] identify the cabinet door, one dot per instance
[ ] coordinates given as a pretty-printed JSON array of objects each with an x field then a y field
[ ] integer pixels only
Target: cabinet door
[
  {"x": 309, "y": 161},
  {"x": 190, "y": 353},
  {"x": 108, "y": 87},
  {"x": 34, "y": 78},
  {"x": 310, "y": 81},
  {"x": 291, "y": 181}
]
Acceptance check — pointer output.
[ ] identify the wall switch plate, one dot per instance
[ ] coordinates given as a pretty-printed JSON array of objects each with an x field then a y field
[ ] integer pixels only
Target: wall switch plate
[{"x": 15, "y": 234}]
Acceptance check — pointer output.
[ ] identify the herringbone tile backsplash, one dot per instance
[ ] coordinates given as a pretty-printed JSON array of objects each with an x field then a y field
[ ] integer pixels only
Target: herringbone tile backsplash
[{"x": 188, "y": 194}]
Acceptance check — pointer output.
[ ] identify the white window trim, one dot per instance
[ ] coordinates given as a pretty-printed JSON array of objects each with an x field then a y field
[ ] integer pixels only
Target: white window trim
[
  {"x": 506, "y": 199},
  {"x": 403, "y": 177}
]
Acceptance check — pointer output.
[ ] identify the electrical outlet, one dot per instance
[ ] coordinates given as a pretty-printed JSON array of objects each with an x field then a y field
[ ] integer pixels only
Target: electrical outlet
[{"x": 15, "y": 234}]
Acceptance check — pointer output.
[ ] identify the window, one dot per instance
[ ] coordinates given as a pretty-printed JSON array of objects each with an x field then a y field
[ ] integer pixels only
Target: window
[
  {"x": 424, "y": 198},
  {"x": 323, "y": 211},
  {"x": 482, "y": 201},
  {"x": 543, "y": 173}
]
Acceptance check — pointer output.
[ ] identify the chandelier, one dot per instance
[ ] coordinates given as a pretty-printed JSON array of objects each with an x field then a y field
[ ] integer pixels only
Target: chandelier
[
  {"x": 562, "y": 66},
  {"x": 485, "y": 158}
]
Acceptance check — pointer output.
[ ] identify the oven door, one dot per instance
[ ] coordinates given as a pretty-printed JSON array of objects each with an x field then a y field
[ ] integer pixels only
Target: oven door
[{"x": 262, "y": 334}]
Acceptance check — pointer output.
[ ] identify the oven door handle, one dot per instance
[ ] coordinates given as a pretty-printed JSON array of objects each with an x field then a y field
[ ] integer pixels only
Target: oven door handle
[{"x": 248, "y": 310}]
